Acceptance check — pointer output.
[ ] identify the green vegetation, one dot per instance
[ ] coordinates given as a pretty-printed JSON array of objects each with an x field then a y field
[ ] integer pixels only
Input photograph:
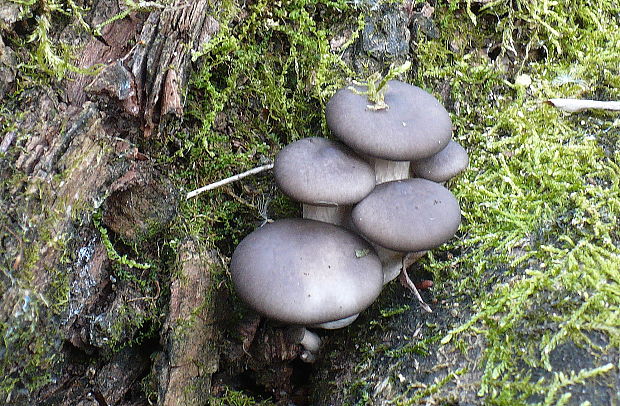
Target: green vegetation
[
  {"x": 46, "y": 55},
  {"x": 237, "y": 398},
  {"x": 29, "y": 348},
  {"x": 113, "y": 255},
  {"x": 138, "y": 318},
  {"x": 377, "y": 85},
  {"x": 537, "y": 259}
]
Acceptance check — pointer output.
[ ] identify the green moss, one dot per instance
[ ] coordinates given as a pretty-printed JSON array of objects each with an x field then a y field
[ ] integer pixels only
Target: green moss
[
  {"x": 263, "y": 83},
  {"x": 121, "y": 261},
  {"x": 541, "y": 198},
  {"x": 539, "y": 240},
  {"x": 29, "y": 345},
  {"x": 45, "y": 54},
  {"x": 427, "y": 390},
  {"x": 237, "y": 398},
  {"x": 137, "y": 318}
]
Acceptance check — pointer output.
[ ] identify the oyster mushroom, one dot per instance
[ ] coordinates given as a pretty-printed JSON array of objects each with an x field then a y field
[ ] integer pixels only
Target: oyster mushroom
[
  {"x": 442, "y": 166},
  {"x": 411, "y": 215},
  {"x": 306, "y": 273},
  {"x": 324, "y": 175},
  {"x": 414, "y": 126}
]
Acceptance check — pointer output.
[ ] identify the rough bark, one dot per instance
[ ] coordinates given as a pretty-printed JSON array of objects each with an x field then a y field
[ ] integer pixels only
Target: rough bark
[
  {"x": 189, "y": 334},
  {"x": 74, "y": 318}
]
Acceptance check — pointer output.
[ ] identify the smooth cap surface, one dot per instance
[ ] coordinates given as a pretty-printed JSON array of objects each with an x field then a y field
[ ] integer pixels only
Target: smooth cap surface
[
  {"x": 408, "y": 215},
  {"x": 323, "y": 172},
  {"x": 442, "y": 166},
  {"x": 415, "y": 125},
  {"x": 305, "y": 272}
]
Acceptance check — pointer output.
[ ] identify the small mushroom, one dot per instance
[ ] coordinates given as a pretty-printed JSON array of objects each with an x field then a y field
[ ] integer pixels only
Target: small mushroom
[
  {"x": 413, "y": 126},
  {"x": 442, "y": 166},
  {"x": 306, "y": 273},
  {"x": 411, "y": 215},
  {"x": 325, "y": 175}
]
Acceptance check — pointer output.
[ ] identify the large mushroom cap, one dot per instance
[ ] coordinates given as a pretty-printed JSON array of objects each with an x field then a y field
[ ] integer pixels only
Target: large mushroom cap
[
  {"x": 408, "y": 215},
  {"x": 442, "y": 166},
  {"x": 322, "y": 172},
  {"x": 415, "y": 125},
  {"x": 306, "y": 272}
]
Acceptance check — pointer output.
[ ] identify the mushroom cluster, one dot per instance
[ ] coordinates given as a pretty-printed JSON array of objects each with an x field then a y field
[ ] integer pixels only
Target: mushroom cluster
[{"x": 369, "y": 202}]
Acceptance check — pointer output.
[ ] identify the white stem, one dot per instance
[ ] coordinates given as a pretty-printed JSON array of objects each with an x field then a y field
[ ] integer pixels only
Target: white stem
[
  {"x": 407, "y": 282},
  {"x": 386, "y": 171},
  {"x": 576, "y": 105},
  {"x": 412, "y": 257},
  {"x": 229, "y": 180},
  {"x": 310, "y": 341},
  {"x": 337, "y": 215}
]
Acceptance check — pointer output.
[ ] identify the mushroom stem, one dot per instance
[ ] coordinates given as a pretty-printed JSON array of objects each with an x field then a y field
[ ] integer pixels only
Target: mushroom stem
[
  {"x": 392, "y": 262},
  {"x": 310, "y": 341},
  {"x": 386, "y": 171},
  {"x": 328, "y": 214}
]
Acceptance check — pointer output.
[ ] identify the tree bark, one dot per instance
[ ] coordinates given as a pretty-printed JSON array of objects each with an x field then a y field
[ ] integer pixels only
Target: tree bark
[{"x": 73, "y": 312}]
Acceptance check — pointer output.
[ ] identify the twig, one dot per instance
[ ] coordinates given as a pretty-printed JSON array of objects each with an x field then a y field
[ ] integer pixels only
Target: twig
[
  {"x": 405, "y": 280},
  {"x": 229, "y": 180},
  {"x": 576, "y": 105}
]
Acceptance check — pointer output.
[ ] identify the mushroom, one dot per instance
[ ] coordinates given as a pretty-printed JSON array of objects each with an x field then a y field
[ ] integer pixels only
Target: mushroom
[
  {"x": 411, "y": 215},
  {"x": 413, "y": 126},
  {"x": 442, "y": 166},
  {"x": 325, "y": 175},
  {"x": 306, "y": 273}
]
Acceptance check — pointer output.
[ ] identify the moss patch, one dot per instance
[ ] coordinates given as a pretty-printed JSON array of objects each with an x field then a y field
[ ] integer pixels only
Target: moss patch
[
  {"x": 264, "y": 83},
  {"x": 535, "y": 266}
]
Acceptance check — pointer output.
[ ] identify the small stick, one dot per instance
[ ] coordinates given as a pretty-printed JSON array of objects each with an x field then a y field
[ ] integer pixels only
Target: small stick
[
  {"x": 229, "y": 180},
  {"x": 405, "y": 280},
  {"x": 576, "y": 105}
]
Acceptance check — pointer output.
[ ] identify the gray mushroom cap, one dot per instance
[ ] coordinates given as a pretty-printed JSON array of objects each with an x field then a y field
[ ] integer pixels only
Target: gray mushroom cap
[
  {"x": 306, "y": 272},
  {"x": 415, "y": 125},
  {"x": 408, "y": 215},
  {"x": 322, "y": 172},
  {"x": 442, "y": 166}
]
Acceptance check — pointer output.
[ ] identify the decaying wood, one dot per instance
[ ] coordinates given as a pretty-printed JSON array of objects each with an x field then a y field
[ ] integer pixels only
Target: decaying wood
[
  {"x": 161, "y": 58},
  {"x": 71, "y": 153},
  {"x": 140, "y": 202},
  {"x": 189, "y": 334},
  {"x": 66, "y": 164}
]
